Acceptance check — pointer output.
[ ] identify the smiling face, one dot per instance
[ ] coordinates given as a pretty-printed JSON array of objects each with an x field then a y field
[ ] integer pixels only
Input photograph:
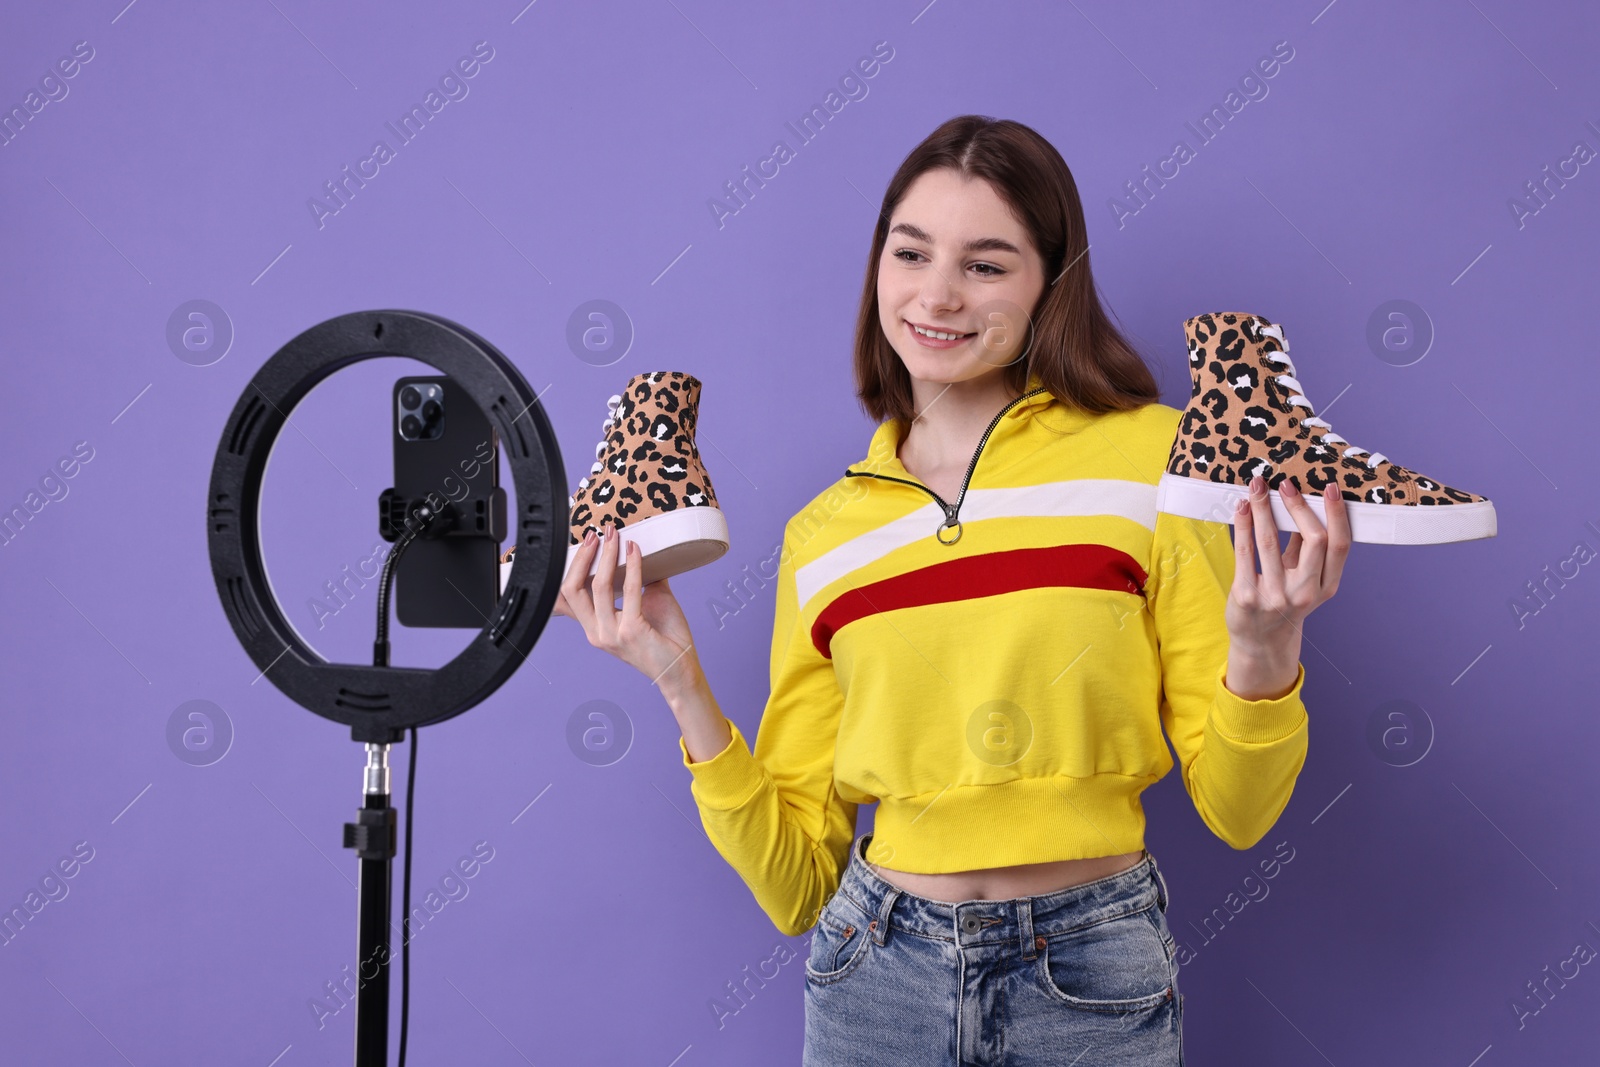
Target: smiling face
[{"x": 961, "y": 267}]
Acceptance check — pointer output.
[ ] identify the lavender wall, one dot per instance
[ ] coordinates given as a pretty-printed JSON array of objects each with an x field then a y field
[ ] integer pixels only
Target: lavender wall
[{"x": 1441, "y": 861}]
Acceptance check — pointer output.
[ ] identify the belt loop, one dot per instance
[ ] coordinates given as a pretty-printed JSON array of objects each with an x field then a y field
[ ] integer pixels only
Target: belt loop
[
  {"x": 1161, "y": 883},
  {"x": 880, "y": 925},
  {"x": 1025, "y": 925}
]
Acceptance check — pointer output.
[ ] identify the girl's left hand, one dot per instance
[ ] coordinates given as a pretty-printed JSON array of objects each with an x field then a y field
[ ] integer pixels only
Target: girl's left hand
[{"x": 1265, "y": 609}]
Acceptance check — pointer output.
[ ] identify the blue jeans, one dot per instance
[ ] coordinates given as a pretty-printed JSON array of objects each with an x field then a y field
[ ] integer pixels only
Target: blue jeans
[{"x": 1084, "y": 976}]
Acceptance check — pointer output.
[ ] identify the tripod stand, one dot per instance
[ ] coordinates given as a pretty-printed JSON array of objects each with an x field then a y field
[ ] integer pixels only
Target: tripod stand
[{"x": 372, "y": 835}]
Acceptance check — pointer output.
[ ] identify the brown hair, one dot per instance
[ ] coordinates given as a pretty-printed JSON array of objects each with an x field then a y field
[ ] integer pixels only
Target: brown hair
[{"x": 1075, "y": 350}]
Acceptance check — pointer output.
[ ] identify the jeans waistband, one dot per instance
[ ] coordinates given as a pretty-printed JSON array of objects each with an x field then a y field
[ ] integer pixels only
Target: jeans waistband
[{"x": 1019, "y": 921}]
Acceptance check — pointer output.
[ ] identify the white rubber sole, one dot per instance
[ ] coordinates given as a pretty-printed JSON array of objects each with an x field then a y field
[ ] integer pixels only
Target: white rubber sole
[
  {"x": 669, "y": 544},
  {"x": 1380, "y": 524}
]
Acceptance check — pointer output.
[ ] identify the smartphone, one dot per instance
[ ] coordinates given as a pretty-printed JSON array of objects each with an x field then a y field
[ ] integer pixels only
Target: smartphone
[{"x": 447, "y": 453}]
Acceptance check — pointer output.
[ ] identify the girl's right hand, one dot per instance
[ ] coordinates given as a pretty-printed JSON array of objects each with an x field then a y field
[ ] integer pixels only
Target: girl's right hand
[{"x": 650, "y": 632}]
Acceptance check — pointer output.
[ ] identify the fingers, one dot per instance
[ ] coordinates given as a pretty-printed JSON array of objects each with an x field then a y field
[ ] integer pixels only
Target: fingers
[
  {"x": 590, "y": 599},
  {"x": 573, "y": 591},
  {"x": 604, "y": 586},
  {"x": 1309, "y": 553},
  {"x": 1244, "y": 545},
  {"x": 632, "y": 582},
  {"x": 1338, "y": 525},
  {"x": 1266, "y": 531}
]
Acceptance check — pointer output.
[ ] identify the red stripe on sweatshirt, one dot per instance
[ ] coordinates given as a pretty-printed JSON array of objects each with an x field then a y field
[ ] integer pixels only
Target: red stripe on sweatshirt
[{"x": 1085, "y": 566}]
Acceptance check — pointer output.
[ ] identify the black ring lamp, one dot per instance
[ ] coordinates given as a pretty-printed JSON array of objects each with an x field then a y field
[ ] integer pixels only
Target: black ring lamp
[{"x": 379, "y": 703}]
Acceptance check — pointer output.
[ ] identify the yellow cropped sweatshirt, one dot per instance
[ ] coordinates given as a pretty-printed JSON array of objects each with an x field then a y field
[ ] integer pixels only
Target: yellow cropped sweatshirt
[{"x": 995, "y": 672}]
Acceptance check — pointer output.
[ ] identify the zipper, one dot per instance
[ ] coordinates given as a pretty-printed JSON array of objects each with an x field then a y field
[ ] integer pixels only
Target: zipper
[{"x": 951, "y": 512}]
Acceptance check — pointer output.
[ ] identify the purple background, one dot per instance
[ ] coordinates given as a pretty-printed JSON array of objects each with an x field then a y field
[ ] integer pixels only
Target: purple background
[{"x": 1380, "y": 166}]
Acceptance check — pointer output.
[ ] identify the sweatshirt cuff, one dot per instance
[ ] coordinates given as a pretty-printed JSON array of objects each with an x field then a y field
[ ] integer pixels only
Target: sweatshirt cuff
[
  {"x": 1258, "y": 722},
  {"x": 727, "y": 779}
]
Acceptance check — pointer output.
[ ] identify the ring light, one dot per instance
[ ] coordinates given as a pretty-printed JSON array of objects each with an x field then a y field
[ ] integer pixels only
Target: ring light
[{"x": 379, "y": 703}]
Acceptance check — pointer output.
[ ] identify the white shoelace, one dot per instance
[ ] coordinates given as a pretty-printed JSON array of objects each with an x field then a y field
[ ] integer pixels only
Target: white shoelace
[
  {"x": 1286, "y": 378},
  {"x": 612, "y": 403}
]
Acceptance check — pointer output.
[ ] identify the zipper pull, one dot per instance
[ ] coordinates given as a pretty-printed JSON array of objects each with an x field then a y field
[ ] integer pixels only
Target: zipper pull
[{"x": 951, "y": 522}]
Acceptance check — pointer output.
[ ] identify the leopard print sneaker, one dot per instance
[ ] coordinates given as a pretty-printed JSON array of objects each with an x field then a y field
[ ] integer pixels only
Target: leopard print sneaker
[
  {"x": 648, "y": 481},
  {"x": 1247, "y": 415}
]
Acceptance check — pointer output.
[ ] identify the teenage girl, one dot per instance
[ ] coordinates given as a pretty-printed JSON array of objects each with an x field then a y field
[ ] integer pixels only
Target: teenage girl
[{"x": 1003, "y": 699}]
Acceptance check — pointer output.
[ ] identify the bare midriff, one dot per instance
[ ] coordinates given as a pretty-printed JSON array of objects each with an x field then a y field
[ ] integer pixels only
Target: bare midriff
[{"x": 1004, "y": 883}]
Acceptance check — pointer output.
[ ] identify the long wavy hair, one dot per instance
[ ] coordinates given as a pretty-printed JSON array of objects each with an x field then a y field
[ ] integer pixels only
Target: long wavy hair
[{"x": 1076, "y": 351}]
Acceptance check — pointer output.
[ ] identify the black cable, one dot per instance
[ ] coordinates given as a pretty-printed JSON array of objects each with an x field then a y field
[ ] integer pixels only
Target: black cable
[
  {"x": 405, "y": 922},
  {"x": 424, "y": 516}
]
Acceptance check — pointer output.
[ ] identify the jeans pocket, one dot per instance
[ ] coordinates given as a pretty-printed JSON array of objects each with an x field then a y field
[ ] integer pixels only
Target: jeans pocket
[
  {"x": 1158, "y": 919},
  {"x": 838, "y": 943},
  {"x": 1118, "y": 966}
]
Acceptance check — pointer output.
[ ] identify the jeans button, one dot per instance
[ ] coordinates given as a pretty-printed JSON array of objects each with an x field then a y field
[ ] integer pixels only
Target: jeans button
[{"x": 970, "y": 924}]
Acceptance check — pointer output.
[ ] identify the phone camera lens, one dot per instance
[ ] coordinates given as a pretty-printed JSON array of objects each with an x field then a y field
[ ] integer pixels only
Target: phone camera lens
[
  {"x": 409, "y": 397},
  {"x": 431, "y": 411},
  {"x": 411, "y": 427}
]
